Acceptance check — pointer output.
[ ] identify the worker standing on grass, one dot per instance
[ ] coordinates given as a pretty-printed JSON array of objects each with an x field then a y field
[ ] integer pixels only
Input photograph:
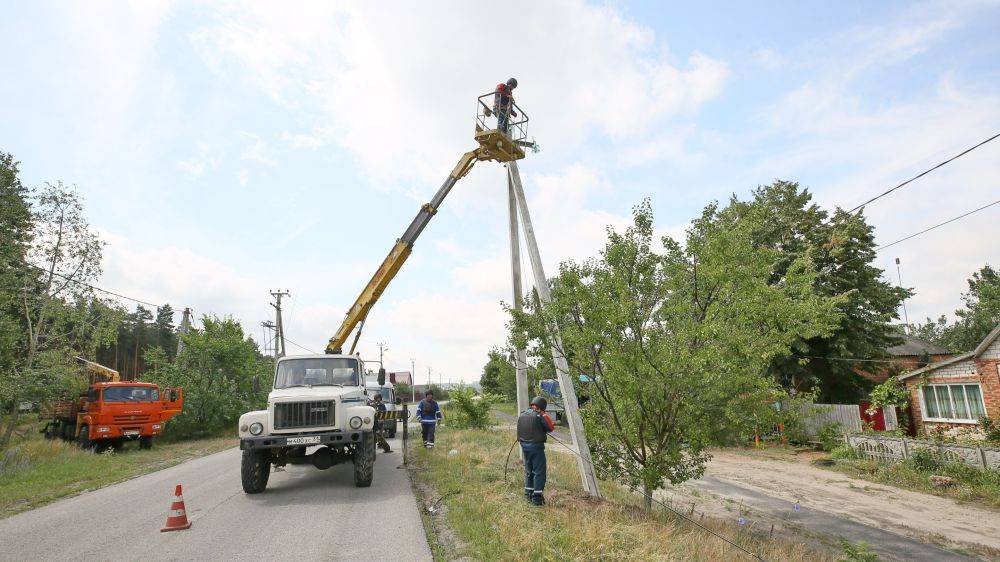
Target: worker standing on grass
[
  {"x": 533, "y": 428},
  {"x": 503, "y": 102},
  {"x": 429, "y": 413}
]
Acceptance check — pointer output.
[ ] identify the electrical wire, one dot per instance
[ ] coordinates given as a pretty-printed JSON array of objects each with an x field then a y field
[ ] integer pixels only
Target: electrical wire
[
  {"x": 94, "y": 287},
  {"x": 675, "y": 512},
  {"x": 851, "y": 359},
  {"x": 300, "y": 346},
  {"x": 925, "y": 172}
]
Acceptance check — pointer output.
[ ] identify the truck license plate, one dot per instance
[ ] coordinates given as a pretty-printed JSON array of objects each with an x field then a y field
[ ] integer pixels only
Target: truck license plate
[
  {"x": 130, "y": 433},
  {"x": 302, "y": 440}
]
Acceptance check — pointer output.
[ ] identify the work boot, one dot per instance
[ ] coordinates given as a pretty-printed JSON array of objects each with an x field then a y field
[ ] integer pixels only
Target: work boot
[
  {"x": 537, "y": 499},
  {"x": 527, "y": 493}
]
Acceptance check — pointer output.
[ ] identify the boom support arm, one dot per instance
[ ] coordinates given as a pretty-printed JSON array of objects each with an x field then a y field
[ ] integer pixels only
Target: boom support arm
[{"x": 397, "y": 257}]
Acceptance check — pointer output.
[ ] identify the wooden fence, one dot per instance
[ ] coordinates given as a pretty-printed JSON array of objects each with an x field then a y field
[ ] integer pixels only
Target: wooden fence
[{"x": 848, "y": 416}]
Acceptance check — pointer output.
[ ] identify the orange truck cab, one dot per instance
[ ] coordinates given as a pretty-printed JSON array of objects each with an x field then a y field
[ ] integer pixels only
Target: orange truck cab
[{"x": 111, "y": 413}]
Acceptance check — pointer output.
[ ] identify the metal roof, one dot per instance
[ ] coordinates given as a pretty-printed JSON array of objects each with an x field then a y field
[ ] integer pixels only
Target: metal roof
[{"x": 915, "y": 346}]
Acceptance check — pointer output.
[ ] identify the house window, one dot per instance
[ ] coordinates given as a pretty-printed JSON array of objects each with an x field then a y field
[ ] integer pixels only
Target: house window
[{"x": 953, "y": 402}]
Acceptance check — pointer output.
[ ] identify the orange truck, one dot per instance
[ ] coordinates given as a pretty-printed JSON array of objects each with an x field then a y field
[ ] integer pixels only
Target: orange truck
[{"x": 113, "y": 411}]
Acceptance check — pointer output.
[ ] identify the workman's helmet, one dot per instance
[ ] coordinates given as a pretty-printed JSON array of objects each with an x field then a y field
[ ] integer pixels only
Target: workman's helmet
[
  {"x": 512, "y": 82},
  {"x": 540, "y": 402}
]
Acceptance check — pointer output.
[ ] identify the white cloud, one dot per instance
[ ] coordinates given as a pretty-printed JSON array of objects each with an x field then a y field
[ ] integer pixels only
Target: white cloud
[
  {"x": 243, "y": 177},
  {"x": 256, "y": 151},
  {"x": 406, "y": 113}
]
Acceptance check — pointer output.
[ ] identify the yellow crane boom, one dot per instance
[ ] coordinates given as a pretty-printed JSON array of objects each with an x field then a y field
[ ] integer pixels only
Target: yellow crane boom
[{"x": 397, "y": 257}]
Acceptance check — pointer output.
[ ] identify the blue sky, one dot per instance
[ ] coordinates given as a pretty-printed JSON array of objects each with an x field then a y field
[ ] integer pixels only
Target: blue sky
[{"x": 227, "y": 149}]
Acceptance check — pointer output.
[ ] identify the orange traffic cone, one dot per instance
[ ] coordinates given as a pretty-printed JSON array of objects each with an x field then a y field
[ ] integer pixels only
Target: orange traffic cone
[{"x": 177, "y": 518}]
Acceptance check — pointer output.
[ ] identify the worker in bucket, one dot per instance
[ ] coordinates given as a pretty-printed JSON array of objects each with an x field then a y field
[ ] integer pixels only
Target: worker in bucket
[
  {"x": 533, "y": 428},
  {"x": 503, "y": 104},
  {"x": 429, "y": 413}
]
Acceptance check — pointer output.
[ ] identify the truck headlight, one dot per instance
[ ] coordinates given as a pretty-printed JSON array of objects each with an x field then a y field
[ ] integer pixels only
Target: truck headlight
[
  {"x": 256, "y": 428},
  {"x": 355, "y": 422},
  {"x": 102, "y": 430},
  {"x": 156, "y": 426}
]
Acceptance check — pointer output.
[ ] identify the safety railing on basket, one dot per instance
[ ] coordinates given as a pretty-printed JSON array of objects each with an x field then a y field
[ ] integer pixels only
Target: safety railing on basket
[{"x": 491, "y": 115}]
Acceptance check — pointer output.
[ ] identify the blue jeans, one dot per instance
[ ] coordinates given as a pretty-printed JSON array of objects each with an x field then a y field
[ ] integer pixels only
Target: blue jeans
[{"x": 534, "y": 467}]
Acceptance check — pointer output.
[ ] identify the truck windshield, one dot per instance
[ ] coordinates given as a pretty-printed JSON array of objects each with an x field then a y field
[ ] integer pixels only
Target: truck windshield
[
  {"x": 316, "y": 372},
  {"x": 131, "y": 394}
]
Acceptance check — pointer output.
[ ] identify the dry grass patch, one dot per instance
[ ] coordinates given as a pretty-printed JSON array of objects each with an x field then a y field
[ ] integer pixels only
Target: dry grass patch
[{"x": 492, "y": 521}]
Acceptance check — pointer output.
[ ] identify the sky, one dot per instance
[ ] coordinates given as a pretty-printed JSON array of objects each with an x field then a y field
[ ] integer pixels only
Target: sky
[{"x": 227, "y": 149}]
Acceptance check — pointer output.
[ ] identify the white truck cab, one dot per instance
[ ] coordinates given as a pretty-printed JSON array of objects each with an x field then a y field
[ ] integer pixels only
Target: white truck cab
[{"x": 317, "y": 401}]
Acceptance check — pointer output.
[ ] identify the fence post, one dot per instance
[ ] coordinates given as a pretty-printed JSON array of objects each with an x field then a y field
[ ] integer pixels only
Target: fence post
[
  {"x": 982, "y": 456},
  {"x": 406, "y": 424},
  {"x": 906, "y": 450}
]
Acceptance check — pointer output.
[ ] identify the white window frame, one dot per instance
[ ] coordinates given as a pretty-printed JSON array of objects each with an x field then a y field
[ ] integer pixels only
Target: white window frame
[{"x": 965, "y": 397}]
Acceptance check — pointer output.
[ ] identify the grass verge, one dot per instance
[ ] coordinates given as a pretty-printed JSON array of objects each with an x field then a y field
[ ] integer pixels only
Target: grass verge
[
  {"x": 36, "y": 471},
  {"x": 970, "y": 485},
  {"x": 485, "y": 517}
]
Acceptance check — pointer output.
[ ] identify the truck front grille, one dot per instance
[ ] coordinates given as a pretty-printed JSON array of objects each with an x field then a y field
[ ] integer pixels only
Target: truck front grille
[
  {"x": 132, "y": 418},
  {"x": 290, "y": 415}
]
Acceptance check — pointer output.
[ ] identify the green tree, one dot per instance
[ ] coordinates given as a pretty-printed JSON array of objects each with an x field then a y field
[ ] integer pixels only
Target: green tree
[
  {"x": 498, "y": 375},
  {"x": 842, "y": 247},
  {"x": 60, "y": 316},
  {"x": 216, "y": 371},
  {"x": 677, "y": 343},
  {"x": 980, "y": 315}
]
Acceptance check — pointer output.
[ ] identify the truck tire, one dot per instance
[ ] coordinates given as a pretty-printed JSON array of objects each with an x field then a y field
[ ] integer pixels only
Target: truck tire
[
  {"x": 391, "y": 434},
  {"x": 364, "y": 461},
  {"x": 255, "y": 469},
  {"x": 83, "y": 440},
  {"x": 101, "y": 445},
  {"x": 146, "y": 442}
]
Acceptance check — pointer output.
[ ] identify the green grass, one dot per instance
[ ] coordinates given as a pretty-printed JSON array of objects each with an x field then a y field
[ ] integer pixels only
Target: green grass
[
  {"x": 971, "y": 485},
  {"x": 35, "y": 471},
  {"x": 509, "y": 408},
  {"x": 487, "y": 518}
]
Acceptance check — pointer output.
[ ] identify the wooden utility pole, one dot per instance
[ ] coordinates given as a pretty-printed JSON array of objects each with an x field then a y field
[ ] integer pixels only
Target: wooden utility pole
[
  {"x": 280, "y": 336},
  {"x": 584, "y": 461}
]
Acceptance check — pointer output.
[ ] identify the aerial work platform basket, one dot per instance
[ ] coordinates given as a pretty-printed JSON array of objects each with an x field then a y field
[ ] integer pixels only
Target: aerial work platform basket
[{"x": 501, "y": 141}]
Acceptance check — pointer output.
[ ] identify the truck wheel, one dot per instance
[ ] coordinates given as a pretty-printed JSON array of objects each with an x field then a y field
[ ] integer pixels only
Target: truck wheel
[
  {"x": 118, "y": 445},
  {"x": 67, "y": 431},
  {"x": 255, "y": 470},
  {"x": 145, "y": 442},
  {"x": 83, "y": 440},
  {"x": 392, "y": 431},
  {"x": 101, "y": 446},
  {"x": 364, "y": 461}
]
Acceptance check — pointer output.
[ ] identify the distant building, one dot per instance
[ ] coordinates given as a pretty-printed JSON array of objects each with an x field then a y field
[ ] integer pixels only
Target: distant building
[
  {"x": 912, "y": 354},
  {"x": 957, "y": 391}
]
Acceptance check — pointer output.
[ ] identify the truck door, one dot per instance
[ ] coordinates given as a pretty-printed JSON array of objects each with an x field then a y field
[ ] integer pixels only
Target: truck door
[{"x": 173, "y": 400}]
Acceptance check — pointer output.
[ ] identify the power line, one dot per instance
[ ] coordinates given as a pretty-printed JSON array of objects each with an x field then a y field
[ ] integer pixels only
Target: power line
[
  {"x": 928, "y": 229},
  {"x": 301, "y": 346},
  {"x": 94, "y": 287},
  {"x": 925, "y": 172}
]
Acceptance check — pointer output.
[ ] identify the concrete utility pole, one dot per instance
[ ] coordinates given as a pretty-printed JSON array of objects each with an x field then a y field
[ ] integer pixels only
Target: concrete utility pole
[
  {"x": 185, "y": 326},
  {"x": 280, "y": 336},
  {"x": 381, "y": 347},
  {"x": 906, "y": 317},
  {"x": 584, "y": 461},
  {"x": 413, "y": 380},
  {"x": 521, "y": 356},
  {"x": 270, "y": 344}
]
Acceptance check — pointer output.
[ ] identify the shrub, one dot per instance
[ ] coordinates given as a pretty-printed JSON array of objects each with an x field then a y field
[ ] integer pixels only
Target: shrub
[
  {"x": 831, "y": 435},
  {"x": 856, "y": 552},
  {"x": 990, "y": 428},
  {"x": 925, "y": 460},
  {"x": 843, "y": 451},
  {"x": 469, "y": 410}
]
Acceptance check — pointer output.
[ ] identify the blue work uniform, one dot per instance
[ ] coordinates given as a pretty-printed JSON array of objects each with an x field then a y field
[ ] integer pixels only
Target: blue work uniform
[
  {"x": 533, "y": 428},
  {"x": 428, "y": 412}
]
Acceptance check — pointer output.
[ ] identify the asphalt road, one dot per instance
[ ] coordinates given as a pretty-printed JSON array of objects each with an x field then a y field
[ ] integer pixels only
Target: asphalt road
[{"x": 305, "y": 514}]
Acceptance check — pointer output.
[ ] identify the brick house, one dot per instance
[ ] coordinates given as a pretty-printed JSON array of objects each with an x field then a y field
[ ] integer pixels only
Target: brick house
[
  {"x": 956, "y": 392},
  {"x": 908, "y": 355}
]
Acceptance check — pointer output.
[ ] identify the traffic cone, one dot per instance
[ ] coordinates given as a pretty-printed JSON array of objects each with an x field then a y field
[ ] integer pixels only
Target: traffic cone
[{"x": 177, "y": 518}]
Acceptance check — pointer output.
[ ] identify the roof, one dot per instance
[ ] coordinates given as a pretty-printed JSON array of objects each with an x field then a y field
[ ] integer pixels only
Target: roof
[
  {"x": 915, "y": 347},
  {"x": 987, "y": 341}
]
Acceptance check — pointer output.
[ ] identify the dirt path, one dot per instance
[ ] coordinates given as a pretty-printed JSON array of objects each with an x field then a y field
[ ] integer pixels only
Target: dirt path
[{"x": 928, "y": 518}]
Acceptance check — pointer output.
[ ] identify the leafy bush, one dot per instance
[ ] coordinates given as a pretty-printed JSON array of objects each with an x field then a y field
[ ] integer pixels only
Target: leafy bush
[
  {"x": 856, "y": 552},
  {"x": 925, "y": 459},
  {"x": 990, "y": 428},
  {"x": 843, "y": 451},
  {"x": 831, "y": 435},
  {"x": 471, "y": 411}
]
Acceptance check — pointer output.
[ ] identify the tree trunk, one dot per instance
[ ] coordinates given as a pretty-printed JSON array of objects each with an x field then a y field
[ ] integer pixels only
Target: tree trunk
[
  {"x": 648, "y": 496},
  {"x": 11, "y": 424}
]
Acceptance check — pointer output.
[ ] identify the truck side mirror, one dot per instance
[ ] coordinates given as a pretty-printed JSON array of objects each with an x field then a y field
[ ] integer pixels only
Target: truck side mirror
[
  {"x": 256, "y": 384},
  {"x": 381, "y": 376},
  {"x": 174, "y": 395}
]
